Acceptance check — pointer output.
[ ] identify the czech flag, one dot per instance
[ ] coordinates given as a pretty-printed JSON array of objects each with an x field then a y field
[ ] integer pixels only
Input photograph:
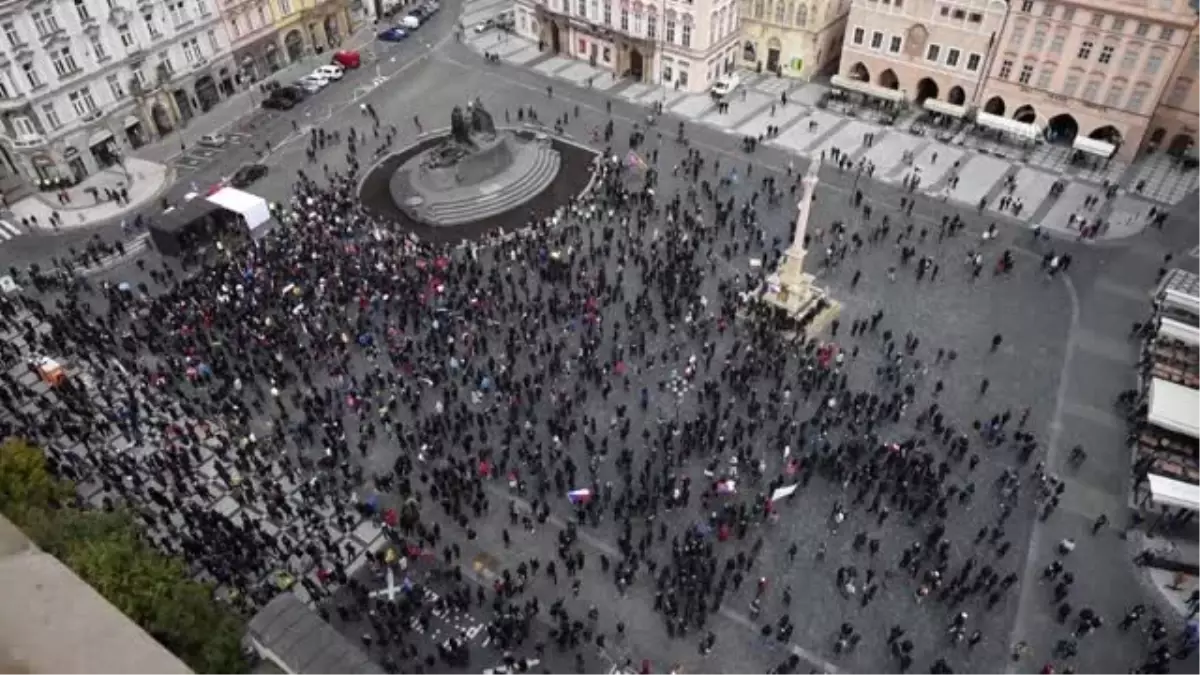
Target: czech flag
[{"x": 579, "y": 496}]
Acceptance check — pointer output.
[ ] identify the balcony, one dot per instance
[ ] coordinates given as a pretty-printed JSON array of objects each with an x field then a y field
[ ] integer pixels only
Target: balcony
[
  {"x": 27, "y": 142},
  {"x": 91, "y": 115},
  {"x": 13, "y": 102}
]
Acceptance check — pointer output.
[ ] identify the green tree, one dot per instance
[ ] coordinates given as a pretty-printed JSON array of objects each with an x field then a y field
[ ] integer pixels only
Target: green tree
[{"x": 106, "y": 550}]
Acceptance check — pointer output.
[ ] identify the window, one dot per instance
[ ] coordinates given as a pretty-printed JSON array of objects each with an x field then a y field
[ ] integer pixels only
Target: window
[
  {"x": 1048, "y": 9},
  {"x": 81, "y": 10},
  {"x": 959, "y": 14},
  {"x": 1118, "y": 25},
  {"x": 98, "y": 50},
  {"x": 285, "y": 7},
  {"x": 1166, "y": 34},
  {"x": 1179, "y": 92},
  {"x": 1006, "y": 69},
  {"x": 1026, "y": 73},
  {"x": 685, "y": 35},
  {"x": 1017, "y": 36},
  {"x": 1085, "y": 49},
  {"x": 235, "y": 27},
  {"x": 1129, "y": 61},
  {"x": 894, "y": 45},
  {"x": 191, "y": 52},
  {"x": 214, "y": 45},
  {"x": 683, "y": 77},
  {"x": 1154, "y": 63},
  {"x": 115, "y": 86},
  {"x": 1044, "y": 78},
  {"x": 670, "y": 27},
  {"x": 262, "y": 15},
  {"x": 202, "y": 7},
  {"x": 758, "y": 9},
  {"x": 1115, "y": 93},
  {"x": 932, "y": 53},
  {"x": 64, "y": 61},
  {"x": 51, "y": 116},
  {"x": 973, "y": 62},
  {"x": 1138, "y": 98},
  {"x": 1092, "y": 90},
  {"x": 24, "y": 127},
  {"x": 151, "y": 26},
  {"x": 945, "y": 11},
  {"x": 1039, "y": 39},
  {"x": 1027, "y": 6},
  {"x": 625, "y": 20},
  {"x": 139, "y": 77},
  {"x": 1068, "y": 13},
  {"x": 1056, "y": 44},
  {"x": 974, "y": 17},
  {"x": 44, "y": 22},
  {"x": 1143, "y": 29},
  {"x": 608, "y": 14},
  {"x": 1106, "y": 53},
  {"x": 859, "y": 36},
  {"x": 802, "y": 15},
  {"x": 1071, "y": 85},
  {"x": 952, "y": 57},
  {"x": 637, "y": 23},
  {"x": 164, "y": 60},
  {"x": 178, "y": 12},
  {"x": 667, "y": 74},
  {"x": 876, "y": 40},
  {"x": 11, "y": 34},
  {"x": 652, "y": 26},
  {"x": 127, "y": 40},
  {"x": 1097, "y": 19},
  {"x": 780, "y": 9},
  {"x": 31, "y": 75},
  {"x": 82, "y": 102},
  {"x": 581, "y": 8}
]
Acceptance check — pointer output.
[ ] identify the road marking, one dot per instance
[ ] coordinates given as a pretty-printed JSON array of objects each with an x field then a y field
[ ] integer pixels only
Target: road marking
[{"x": 9, "y": 231}]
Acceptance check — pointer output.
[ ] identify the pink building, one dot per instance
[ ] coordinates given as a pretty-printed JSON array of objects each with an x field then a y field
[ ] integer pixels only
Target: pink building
[
  {"x": 1174, "y": 126},
  {"x": 250, "y": 25},
  {"x": 687, "y": 44},
  {"x": 927, "y": 49}
]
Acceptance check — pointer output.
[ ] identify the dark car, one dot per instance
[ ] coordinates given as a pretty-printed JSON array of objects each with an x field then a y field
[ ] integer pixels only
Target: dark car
[
  {"x": 284, "y": 98},
  {"x": 247, "y": 175},
  {"x": 393, "y": 34}
]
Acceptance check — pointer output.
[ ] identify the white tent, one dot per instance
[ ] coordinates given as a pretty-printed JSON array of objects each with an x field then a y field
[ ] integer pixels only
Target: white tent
[
  {"x": 1174, "y": 407},
  {"x": 251, "y": 207},
  {"x": 949, "y": 109},
  {"x": 863, "y": 87},
  {"x": 1023, "y": 130},
  {"x": 1175, "y": 493},
  {"x": 1178, "y": 330},
  {"x": 1094, "y": 147}
]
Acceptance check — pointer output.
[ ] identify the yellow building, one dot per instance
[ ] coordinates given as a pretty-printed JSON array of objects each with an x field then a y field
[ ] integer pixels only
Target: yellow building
[
  {"x": 307, "y": 27},
  {"x": 793, "y": 38}
]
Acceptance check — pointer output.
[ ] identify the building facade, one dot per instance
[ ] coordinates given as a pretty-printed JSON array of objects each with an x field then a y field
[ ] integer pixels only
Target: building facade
[
  {"x": 925, "y": 48},
  {"x": 254, "y": 42},
  {"x": 83, "y": 82},
  {"x": 1176, "y": 120},
  {"x": 308, "y": 27},
  {"x": 1090, "y": 68},
  {"x": 793, "y": 38},
  {"x": 685, "y": 44}
]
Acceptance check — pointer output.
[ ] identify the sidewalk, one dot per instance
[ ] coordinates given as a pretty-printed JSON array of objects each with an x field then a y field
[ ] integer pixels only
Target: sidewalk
[{"x": 144, "y": 181}]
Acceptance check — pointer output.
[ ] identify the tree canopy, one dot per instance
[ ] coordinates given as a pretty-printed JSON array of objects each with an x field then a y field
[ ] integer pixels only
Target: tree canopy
[{"x": 106, "y": 550}]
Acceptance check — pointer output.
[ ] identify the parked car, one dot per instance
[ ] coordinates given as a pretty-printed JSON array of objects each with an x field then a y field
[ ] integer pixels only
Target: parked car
[
  {"x": 213, "y": 140},
  {"x": 432, "y": 8},
  {"x": 283, "y": 97},
  {"x": 311, "y": 84},
  {"x": 347, "y": 58},
  {"x": 410, "y": 22},
  {"x": 329, "y": 72},
  {"x": 247, "y": 175},
  {"x": 485, "y": 25},
  {"x": 393, "y": 34}
]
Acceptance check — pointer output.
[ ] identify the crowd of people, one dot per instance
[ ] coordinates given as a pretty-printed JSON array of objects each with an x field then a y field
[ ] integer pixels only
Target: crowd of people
[{"x": 539, "y": 363}]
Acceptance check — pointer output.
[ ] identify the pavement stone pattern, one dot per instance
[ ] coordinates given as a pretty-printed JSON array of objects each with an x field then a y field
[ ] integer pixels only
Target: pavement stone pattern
[
  {"x": 1165, "y": 183},
  {"x": 145, "y": 180}
]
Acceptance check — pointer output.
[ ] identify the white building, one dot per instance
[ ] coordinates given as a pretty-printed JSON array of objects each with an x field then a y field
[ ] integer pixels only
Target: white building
[
  {"x": 84, "y": 81},
  {"x": 686, "y": 44}
]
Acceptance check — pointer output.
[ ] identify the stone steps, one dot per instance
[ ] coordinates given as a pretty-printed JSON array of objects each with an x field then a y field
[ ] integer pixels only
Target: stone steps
[{"x": 541, "y": 171}]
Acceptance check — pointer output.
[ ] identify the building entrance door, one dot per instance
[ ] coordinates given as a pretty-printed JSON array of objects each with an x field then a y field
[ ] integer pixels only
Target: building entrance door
[{"x": 773, "y": 60}]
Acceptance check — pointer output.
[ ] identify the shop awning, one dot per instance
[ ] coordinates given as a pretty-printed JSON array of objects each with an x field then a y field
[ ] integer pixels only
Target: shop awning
[
  {"x": 99, "y": 136},
  {"x": 1178, "y": 330},
  {"x": 1174, "y": 493},
  {"x": 130, "y": 120},
  {"x": 1174, "y": 407},
  {"x": 1094, "y": 147},
  {"x": 251, "y": 207},
  {"x": 944, "y": 108},
  {"x": 1023, "y": 130},
  {"x": 866, "y": 88}
]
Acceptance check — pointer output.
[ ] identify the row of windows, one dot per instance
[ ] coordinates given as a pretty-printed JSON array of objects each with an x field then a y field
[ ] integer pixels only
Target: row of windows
[
  {"x": 246, "y": 23},
  {"x": 647, "y": 24},
  {"x": 1098, "y": 19},
  {"x": 46, "y": 22},
  {"x": 1114, "y": 98},
  {"x": 1129, "y": 59},
  {"x": 950, "y": 57}
]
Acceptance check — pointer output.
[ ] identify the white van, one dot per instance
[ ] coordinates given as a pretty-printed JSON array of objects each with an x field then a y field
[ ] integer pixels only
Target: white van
[
  {"x": 726, "y": 85},
  {"x": 410, "y": 22}
]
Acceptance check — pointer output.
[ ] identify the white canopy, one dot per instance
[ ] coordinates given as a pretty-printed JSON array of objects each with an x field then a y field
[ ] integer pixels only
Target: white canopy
[
  {"x": 1169, "y": 492},
  {"x": 1023, "y": 130},
  {"x": 251, "y": 207},
  {"x": 1170, "y": 328},
  {"x": 1174, "y": 407},
  {"x": 863, "y": 87},
  {"x": 1094, "y": 147},
  {"x": 944, "y": 108}
]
